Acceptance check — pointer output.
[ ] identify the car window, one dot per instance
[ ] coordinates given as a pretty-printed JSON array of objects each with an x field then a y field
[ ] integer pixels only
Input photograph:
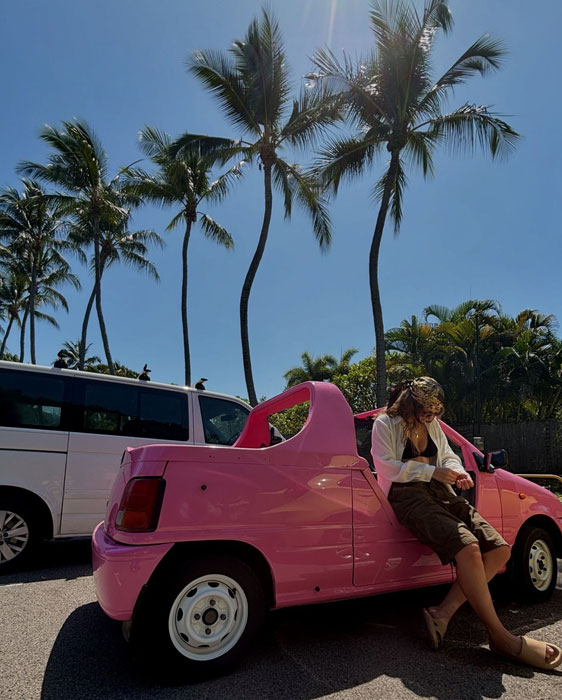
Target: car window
[
  {"x": 31, "y": 400},
  {"x": 223, "y": 420}
]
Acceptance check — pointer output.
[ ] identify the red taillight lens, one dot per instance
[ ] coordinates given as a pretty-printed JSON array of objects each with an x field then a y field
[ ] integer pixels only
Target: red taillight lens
[{"x": 140, "y": 505}]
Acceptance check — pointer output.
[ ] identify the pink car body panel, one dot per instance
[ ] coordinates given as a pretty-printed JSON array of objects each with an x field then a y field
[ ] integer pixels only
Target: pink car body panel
[{"x": 310, "y": 506}]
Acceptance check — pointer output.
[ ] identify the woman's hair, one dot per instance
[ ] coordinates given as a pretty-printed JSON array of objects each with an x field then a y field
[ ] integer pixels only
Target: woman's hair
[{"x": 410, "y": 398}]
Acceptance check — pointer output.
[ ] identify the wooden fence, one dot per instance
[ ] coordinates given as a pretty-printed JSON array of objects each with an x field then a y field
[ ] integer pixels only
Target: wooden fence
[{"x": 533, "y": 447}]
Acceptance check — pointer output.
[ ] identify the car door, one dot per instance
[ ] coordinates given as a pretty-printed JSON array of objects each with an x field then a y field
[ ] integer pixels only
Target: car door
[{"x": 386, "y": 554}]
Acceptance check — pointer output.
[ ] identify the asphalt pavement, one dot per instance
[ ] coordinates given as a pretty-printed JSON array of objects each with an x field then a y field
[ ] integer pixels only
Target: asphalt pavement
[{"x": 56, "y": 644}]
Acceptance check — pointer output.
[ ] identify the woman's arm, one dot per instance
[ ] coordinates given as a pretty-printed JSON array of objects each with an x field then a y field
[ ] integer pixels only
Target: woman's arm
[{"x": 388, "y": 463}]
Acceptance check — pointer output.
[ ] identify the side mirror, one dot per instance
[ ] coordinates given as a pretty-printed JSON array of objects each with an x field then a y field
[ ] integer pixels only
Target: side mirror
[
  {"x": 499, "y": 459},
  {"x": 274, "y": 439}
]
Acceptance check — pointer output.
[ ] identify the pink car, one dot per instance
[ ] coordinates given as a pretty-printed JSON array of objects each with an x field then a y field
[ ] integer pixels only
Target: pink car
[{"x": 199, "y": 541}]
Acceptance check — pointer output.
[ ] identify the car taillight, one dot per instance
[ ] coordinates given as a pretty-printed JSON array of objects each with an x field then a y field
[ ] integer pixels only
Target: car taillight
[{"x": 140, "y": 505}]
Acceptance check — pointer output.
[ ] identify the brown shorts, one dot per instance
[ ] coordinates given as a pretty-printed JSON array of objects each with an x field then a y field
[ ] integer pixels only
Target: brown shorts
[{"x": 441, "y": 519}]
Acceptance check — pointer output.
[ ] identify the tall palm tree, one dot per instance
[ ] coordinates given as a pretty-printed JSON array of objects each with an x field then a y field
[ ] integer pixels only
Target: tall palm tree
[
  {"x": 78, "y": 165},
  {"x": 394, "y": 104},
  {"x": 33, "y": 229},
  {"x": 252, "y": 86},
  {"x": 319, "y": 369},
  {"x": 183, "y": 179},
  {"x": 116, "y": 244}
]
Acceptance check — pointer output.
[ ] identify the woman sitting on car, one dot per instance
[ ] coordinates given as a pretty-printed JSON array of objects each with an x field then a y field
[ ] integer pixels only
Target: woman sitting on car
[{"x": 417, "y": 468}]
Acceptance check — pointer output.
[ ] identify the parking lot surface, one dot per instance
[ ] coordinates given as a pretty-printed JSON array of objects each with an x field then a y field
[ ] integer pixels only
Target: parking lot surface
[{"x": 57, "y": 644}]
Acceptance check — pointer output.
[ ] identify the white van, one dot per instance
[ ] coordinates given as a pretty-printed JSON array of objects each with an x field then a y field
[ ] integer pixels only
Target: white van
[{"x": 62, "y": 435}]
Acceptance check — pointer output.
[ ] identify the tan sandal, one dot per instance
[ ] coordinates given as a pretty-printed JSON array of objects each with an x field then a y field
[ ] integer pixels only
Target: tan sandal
[
  {"x": 533, "y": 653},
  {"x": 435, "y": 630}
]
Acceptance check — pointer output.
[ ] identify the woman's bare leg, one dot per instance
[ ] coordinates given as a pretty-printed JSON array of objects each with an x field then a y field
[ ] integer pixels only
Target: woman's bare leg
[
  {"x": 493, "y": 561},
  {"x": 471, "y": 578}
]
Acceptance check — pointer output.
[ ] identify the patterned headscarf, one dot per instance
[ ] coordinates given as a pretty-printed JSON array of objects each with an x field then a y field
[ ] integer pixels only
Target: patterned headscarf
[{"x": 426, "y": 391}]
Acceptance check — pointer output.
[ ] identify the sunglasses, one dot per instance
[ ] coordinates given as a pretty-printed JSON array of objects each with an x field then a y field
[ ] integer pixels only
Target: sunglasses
[{"x": 431, "y": 414}]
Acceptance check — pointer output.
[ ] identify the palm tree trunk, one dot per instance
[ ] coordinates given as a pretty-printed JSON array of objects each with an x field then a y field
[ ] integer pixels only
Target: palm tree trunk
[
  {"x": 22, "y": 334},
  {"x": 186, "y": 357},
  {"x": 103, "y": 330},
  {"x": 5, "y": 338},
  {"x": 374, "y": 281},
  {"x": 83, "y": 338},
  {"x": 32, "y": 310},
  {"x": 82, "y": 349},
  {"x": 247, "y": 286}
]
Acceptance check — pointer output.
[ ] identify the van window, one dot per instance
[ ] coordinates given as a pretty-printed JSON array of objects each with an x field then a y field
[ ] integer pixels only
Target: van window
[
  {"x": 109, "y": 408},
  {"x": 134, "y": 411},
  {"x": 163, "y": 415},
  {"x": 31, "y": 400},
  {"x": 223, "y": 420}
]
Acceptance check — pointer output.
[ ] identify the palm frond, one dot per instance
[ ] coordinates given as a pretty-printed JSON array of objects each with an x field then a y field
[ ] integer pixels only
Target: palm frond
[
  {"x": 484, "y": 56},
  {"x": 471, "y": 126},
  {"x": 224, "y": 81},
  {"x": 397, "y": 192},
  {"x": 216, "y": 232},
  {"x": 282, "y": 183},
  {"x": 345, "y": 158},
  {"x": 309, "y": 194}
]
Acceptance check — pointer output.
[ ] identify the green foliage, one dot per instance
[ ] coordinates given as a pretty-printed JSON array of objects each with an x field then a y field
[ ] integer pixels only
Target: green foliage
[{"x": 289, "y": 422}]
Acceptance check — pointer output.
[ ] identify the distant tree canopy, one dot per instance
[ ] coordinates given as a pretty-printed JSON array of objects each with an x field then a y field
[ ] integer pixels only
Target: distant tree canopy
[{"x": 494, "y": 368}]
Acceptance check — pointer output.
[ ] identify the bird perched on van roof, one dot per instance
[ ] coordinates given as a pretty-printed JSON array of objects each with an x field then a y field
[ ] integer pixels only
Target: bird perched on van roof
[
  {"x": 60, "y": 362},
  {"x": 200, "y": 386},
  {"x": 143, "y": 376}
]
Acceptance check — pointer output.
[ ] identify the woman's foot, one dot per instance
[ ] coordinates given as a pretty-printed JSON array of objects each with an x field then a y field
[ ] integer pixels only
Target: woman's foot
[
  {"x": 512, "y": 646},
  {"x": 436, "y": 628}
]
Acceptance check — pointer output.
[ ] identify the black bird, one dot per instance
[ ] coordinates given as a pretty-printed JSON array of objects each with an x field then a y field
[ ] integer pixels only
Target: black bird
[
  {"x": 61, "y": 363},
  {"x": 200, "y": 386},
  {"x": 143, "y": 376}
]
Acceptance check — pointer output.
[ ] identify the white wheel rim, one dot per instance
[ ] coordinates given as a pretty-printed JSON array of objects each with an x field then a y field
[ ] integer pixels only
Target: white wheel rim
[
  {"x": 208, "y": 617},
  {"x": 541, "y": 567},
  {"x": 14, "y": 535}
]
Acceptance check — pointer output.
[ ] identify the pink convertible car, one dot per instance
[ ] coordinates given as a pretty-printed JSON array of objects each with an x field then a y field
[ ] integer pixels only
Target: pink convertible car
[{"x": 199, "y": 541}]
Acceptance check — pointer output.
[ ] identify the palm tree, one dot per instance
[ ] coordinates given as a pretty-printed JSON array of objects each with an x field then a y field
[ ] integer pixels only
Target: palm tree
[
  {"x": 252, "y": 86},
  {"x": 13, "y": 299},
  {"x": 78, "y": 165},
  {"x": 319, "y": 369},
  {"x": 183, "y": 179},
  {"x": 32, "y": 227},
  {"x": 116, "y": 244},
  {"x": 73, "y": 352},
  {"x": 413, "y": 339},
  {"x": 394, "y": 104}
]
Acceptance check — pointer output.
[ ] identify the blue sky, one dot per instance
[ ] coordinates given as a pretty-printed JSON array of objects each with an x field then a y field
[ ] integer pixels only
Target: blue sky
[{"x": 478, "y": 229}]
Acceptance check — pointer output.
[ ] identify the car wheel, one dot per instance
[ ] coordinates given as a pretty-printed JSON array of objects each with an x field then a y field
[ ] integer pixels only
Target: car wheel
[
  {"x": 200, "y": 620},
  {"x": 20, "y": 533},
  {"x": 534, "y": 567}
]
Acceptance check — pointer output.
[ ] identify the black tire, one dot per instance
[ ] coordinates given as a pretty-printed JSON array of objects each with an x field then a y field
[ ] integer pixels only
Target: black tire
[
  {"x": 228, "y": 598},
  {"x": 20, "y": 533},
  {"x": 533, "y": 565}
]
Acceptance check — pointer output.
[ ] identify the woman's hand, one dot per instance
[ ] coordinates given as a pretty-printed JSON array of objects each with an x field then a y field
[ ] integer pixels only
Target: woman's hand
[
  {"x": 446, "y": 475},
  {"x": 464, "y": 482}
]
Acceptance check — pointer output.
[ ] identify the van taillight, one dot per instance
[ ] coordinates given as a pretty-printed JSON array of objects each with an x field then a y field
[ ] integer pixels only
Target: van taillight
[{"x": 140, "y": 505}]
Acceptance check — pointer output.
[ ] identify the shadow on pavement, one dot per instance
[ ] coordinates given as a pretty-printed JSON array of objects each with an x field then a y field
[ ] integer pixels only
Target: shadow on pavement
[
  {"x": 308, "y": 652},
  {"x": 58, "y": 559}
]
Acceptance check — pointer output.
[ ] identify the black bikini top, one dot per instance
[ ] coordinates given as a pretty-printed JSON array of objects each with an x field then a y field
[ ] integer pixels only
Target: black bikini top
[{"x": 410, "y": 451}]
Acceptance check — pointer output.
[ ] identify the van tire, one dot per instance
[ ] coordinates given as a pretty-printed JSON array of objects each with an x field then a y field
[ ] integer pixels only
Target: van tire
[
  {"x": 170, "y": 623},
  {"x": 20, "y": 533}
]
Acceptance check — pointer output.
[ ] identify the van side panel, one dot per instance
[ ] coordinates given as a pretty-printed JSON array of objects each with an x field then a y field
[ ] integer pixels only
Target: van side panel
[{"x": 35, "y": 460}]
